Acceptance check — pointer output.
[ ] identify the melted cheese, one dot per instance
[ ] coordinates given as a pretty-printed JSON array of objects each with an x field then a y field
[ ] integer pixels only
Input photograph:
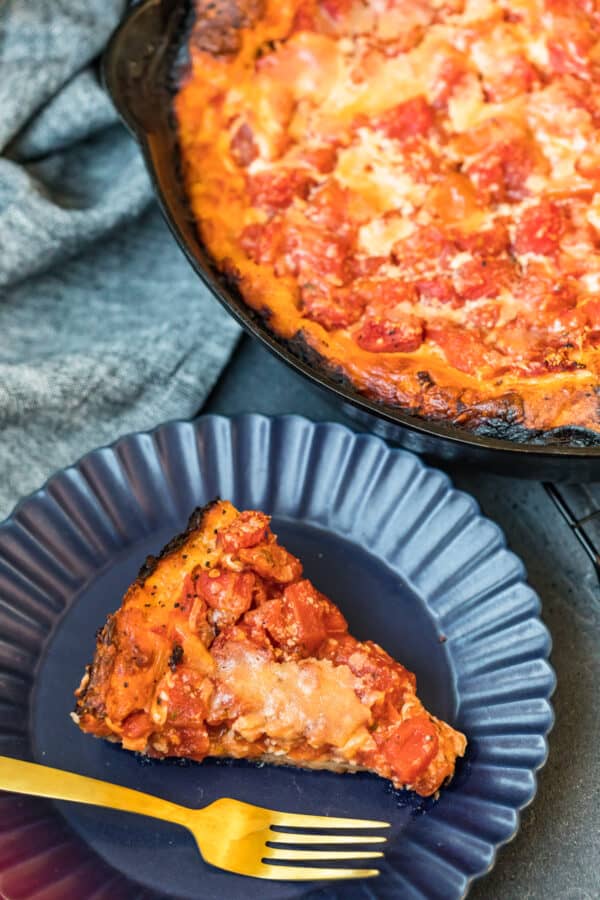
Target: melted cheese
[
  {"x": 466, "y": 107},
  {"x": 378, "y": 236},
  {"x": 374, "y": 169},
  {"x": 477, "y": 10},
  {"x": 287, "y": 701}
]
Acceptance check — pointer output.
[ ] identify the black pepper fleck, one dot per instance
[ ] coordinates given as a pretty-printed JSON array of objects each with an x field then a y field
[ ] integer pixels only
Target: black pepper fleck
[{"x": 176, "y": 657}]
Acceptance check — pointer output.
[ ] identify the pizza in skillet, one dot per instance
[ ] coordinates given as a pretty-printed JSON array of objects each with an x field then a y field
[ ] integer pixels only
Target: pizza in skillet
[
  {"x": 222, "y": 648},
  {"x": 410, "y": 191}
]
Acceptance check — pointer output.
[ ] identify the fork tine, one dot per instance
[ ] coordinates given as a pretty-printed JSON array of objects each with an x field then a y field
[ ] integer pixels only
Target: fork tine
[
  {"x": 294, "y": 820},
  {"x": 312, "y": 855},
  {"x": 313, "y": 873},
  {"x": 299, "y": 837}
]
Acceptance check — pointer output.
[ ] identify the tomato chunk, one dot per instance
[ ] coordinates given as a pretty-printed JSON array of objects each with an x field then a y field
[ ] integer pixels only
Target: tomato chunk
[
  {"x": 272, "y": 562},
  {"x": 190, "y": 743},
  {"x": 137, "y": 725},
  {"x": 515, "y": 76},
  {"x": 229, "y": 595},
  {"x": 384, "y": 293},
  {"x": 569, "y": 54},
  {"x": 481, "y": 277},
  {"x": 276, "y": 189},
  {"x": 401, "y": 334},
  {"x": 540, "y": 229},
  {"x": 487, "y": 242},
  {"x": 262, "y": 242},
  {"x": 439, "y": 290},
  {"x": 323, "y": 158},
  {"x": 301, "y": 620},
  {"x": 310, "y": 251},
  {"x": 187, "y": 694},
  {"x": 242, "y": 146},
  {"x": 451, "y": 73},
  {"x": 464, "y": 350},
  {"x": 388, "y": 327},
  {"x": 411, "y": 747},
  {"x": 305, "y": 19},
  {"x": 592, "y": 311},
  {"x": 485, "y": 316},
  {"x": 329, "y": 207},
  {"x": 248, "y": 529},
  {"x": 332, "y": 308},
  {"x": 337, "y": 9},
  {"x": 425, "y": 244},
  {"x": 542, "y": 296},
  {"x": 364, "y": 266},
  {"x": 501, "y": 171},
  {"x": 420, "y": 160},
  {"x": 414, "y": 116}
]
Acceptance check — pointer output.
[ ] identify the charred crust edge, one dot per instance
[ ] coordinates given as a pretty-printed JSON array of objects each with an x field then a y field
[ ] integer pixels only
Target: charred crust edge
[
  {"x": 81, "y": 692},
  {"x": 299, "y": 347},
  {"x": 499, "y": 419},
  {"x": 104, "y": 648},
  {"x": 194, "y": 523}
]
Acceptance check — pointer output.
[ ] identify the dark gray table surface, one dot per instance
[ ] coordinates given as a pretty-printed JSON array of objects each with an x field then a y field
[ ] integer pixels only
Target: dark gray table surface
[{"x": 556, "y": 853}]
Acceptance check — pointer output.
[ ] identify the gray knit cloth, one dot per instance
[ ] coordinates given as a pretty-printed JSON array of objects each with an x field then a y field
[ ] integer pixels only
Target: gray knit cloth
[{"x": 104, "y": 328}]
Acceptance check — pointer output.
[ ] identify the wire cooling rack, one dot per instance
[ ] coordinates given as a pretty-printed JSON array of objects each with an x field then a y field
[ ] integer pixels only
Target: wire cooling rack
[{"x": 580, "y": 505}]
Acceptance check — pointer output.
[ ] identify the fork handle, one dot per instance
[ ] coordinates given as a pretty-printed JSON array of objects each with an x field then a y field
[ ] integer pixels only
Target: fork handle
[{"x": 43, "y": 781}]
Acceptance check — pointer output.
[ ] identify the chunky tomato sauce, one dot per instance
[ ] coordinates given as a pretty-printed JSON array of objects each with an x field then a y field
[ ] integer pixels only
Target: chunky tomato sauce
[
  {"x": 414, "y": 188},
  {"x": 224, "y": 649}
]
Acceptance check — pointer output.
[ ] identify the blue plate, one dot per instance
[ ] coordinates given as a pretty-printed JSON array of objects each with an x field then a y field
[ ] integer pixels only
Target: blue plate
[{"x": 410, "y": 561}]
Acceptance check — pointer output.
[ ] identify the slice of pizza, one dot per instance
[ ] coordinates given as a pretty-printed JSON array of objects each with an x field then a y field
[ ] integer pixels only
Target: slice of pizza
[{"x": 222, "y": 648}]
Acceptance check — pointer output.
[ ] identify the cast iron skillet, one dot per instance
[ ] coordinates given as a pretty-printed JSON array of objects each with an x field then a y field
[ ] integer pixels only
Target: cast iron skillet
[{"x": 139, "y": 70}]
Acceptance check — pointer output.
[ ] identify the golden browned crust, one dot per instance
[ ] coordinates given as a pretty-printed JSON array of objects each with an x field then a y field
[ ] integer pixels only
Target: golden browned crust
[{"x": 194, "y": 523}]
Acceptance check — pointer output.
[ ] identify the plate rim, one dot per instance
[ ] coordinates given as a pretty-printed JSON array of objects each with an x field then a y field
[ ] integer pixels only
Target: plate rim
[{"x": 209, "y": 420}]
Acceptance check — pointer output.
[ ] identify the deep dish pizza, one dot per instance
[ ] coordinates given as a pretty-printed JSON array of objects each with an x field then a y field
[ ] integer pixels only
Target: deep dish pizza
[
  {"x": 412, "y": 189},
  {"x": 222, "y": 648}
]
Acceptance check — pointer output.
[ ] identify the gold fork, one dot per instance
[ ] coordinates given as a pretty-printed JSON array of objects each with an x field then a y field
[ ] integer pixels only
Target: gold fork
[{"x": 230, "y": 835}]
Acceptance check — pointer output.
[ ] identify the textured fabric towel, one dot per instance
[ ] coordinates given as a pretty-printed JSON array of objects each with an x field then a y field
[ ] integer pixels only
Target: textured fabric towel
[{"x": 104, "y": 328}]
